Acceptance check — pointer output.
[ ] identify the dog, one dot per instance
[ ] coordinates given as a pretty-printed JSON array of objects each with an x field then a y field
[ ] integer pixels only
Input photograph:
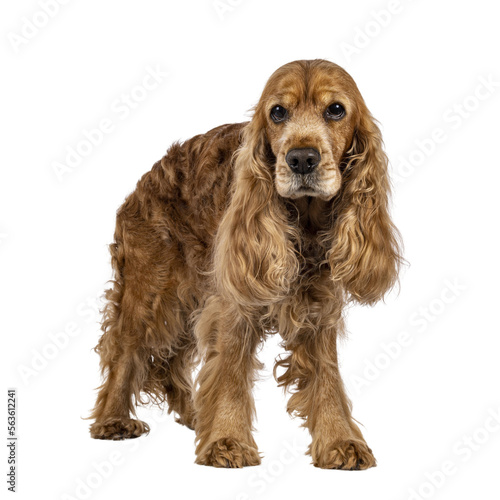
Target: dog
[{"x": 268, "y": 226}]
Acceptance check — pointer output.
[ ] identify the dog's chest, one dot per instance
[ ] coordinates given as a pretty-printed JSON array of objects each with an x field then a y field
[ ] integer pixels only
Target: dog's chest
[{"x": 312, "y": 217}]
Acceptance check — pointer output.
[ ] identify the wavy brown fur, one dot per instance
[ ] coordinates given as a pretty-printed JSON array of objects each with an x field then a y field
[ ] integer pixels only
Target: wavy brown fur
[{"x": 215, "y": 249}]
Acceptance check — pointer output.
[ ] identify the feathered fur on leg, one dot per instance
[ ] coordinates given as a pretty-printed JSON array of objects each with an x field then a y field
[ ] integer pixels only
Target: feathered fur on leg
[{"x": 224, "y": 403}]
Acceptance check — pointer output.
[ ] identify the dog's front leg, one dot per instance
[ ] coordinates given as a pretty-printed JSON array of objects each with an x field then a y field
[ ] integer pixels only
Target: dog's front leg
[
  {"x": 337, "y": 442},
  {"x": 224, "y": 404}
]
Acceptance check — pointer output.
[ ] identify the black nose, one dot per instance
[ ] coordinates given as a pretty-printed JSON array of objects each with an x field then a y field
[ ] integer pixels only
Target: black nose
[{"x": 303, "y": 160}]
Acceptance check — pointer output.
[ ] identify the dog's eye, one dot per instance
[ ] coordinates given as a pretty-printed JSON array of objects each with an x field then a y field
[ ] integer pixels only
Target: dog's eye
[
  {"x": 278, "y": 114},
  {"x": 335, "y": 111}
]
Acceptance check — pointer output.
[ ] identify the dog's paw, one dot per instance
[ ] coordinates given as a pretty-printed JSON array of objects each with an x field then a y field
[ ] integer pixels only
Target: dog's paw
[
  {"x": 346, "y": 455},
  {"x": 229, "y": 453},
  {"x": 117, "y": 429}
]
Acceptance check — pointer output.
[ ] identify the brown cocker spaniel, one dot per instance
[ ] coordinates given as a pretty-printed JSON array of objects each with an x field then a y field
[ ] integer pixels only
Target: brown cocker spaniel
[{"x": 270, "y": 226}]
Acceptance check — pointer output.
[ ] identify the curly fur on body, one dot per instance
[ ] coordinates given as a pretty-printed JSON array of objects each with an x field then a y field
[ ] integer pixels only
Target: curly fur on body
[{"x": 218, "y": 247}]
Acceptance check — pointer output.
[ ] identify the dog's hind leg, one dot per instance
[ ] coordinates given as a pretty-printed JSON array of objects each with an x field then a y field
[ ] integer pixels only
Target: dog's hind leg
[
  {"x": 178, "y": 382},
  {"x": 142, "y": 355},
  {"x": 143, "y": 325},
  {"x": 124, "y": 363},
  {"x": 115, "y": 401}
]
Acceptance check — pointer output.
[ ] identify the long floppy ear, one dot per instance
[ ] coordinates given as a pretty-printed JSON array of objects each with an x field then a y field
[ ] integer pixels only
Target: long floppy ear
[
  {"x": 254, "y": 257},
  {"x": 365, "y": 245}
]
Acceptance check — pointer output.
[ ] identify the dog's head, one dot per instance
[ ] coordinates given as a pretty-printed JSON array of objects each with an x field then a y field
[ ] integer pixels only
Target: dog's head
[
  {"x": 311, "y": 136},
  {"x": 309, "y": 113}
]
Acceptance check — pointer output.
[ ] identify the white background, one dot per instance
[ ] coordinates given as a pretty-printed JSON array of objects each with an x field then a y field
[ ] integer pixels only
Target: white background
[{"x": 430, "y": 405}]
